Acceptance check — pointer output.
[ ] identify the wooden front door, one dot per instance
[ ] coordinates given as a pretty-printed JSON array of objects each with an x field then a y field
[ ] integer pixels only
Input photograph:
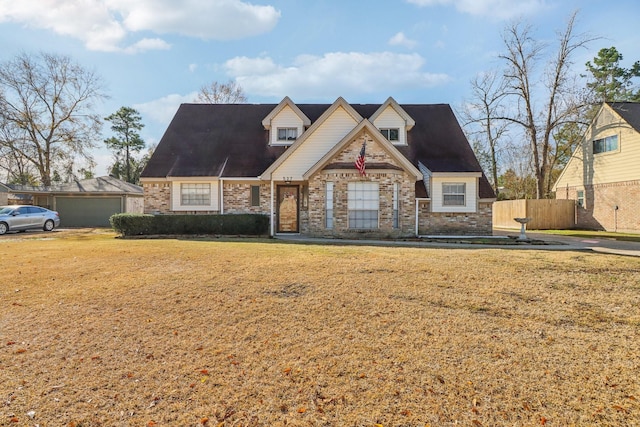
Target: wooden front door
[{"x": 288, "y": 196}]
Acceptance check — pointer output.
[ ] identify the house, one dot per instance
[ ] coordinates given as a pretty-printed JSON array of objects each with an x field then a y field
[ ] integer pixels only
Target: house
[
  {"x": 296, "y": 163},
  {"x": 603, "y": 174},
  {"x": 83, "y": 203}
]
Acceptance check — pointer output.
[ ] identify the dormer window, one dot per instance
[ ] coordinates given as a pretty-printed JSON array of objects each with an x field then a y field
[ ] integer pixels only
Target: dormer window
[
  {"x": 287, "y": 134},
  {"x": 392, "y": 134}
]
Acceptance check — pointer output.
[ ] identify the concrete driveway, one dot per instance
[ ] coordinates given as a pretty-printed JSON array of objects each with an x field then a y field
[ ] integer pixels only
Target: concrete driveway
[{"x": 604, "y": 245}]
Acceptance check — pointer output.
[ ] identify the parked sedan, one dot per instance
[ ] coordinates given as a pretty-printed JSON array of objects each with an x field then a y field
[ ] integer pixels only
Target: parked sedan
[{"x": 20, "y": 218}]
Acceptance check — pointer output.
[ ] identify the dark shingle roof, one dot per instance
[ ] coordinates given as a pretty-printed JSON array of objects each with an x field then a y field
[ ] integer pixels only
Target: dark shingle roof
[
  {"x": 629, "y": 111},
  {"x": 229, "y": 140}
]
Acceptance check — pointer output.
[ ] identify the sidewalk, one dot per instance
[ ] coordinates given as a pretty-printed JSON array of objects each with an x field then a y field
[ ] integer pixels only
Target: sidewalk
[{"x": 550, "y": 243}]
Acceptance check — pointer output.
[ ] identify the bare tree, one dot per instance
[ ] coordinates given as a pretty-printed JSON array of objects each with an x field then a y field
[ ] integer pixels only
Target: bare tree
[
  {"x": 540, "y": 111},
  {"x": 221, "y": 93},
  {"x": 46, "y": 104},
  {"x": 481, "y": 120}
]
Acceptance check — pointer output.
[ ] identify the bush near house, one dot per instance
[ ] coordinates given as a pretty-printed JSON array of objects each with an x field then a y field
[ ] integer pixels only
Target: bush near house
[{"x": 240, "y": 224}]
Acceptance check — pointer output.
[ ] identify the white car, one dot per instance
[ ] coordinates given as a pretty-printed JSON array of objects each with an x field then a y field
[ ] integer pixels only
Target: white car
[{"x": 24, "y": 217}]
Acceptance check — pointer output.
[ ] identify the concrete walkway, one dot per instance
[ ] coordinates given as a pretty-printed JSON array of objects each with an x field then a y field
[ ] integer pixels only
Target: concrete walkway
[{"x": 551, "y": 243}]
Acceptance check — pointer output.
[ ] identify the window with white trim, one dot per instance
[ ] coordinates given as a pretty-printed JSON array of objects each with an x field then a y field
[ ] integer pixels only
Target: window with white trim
[
  {"x": 193, "y": 194},
  {"x": 610, "y": 143},
  {"x": 580, "y": 197},
  {"x": 392, "y": 134},
  {"x": 453, "y": 194},
  {"x": 329, "y": 205},
  {"x": 287, "y": 134},
  {"x": 363, "y": 205}
]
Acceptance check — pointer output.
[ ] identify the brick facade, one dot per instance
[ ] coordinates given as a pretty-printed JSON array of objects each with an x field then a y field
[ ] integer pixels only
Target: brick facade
[
  {"x": 237, "y": 198},
  {"x": 455, "y": 224},
  {"x": 600, "y": 200},
  {"x": 382, "y": 169},
  {"x": 157, "y": 197}
]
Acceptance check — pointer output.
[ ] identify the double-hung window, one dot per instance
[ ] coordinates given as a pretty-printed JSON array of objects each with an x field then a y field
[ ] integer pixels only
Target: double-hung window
[
  {"x": 610, "y": 143},
  {"x": 453, "y": 194},
  {"x": 363, "y": 205},
  {"x": 287, "y": 134},
  {"x": 195, "y": 194}
]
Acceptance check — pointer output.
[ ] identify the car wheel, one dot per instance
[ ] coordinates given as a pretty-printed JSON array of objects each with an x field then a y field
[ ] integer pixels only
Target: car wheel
[
  {"x": 3, "y": 228},
  {"x": 48, "y": 225}
]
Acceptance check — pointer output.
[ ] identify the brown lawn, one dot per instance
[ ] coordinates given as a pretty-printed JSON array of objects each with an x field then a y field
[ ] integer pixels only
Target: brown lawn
[{"x": 99, "y": 331}]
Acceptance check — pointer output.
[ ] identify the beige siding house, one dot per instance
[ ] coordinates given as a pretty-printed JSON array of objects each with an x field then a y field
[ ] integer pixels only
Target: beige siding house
[
  {"x": 603, "y": 174},
  {"x": 297, "y": 165}
]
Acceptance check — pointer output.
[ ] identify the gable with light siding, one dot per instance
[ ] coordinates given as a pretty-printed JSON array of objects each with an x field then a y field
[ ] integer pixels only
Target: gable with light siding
[
  {"x": 613, "y": 166},
  {"x": 389, "y": 119},
  {"x": 585, "y": 168},
  {"x": 316, "y": 145},
  {"x": 285, "y": 118}
]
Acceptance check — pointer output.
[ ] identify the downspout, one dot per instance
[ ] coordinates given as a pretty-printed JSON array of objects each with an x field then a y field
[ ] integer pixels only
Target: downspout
[{"x": 222, "y": 186}]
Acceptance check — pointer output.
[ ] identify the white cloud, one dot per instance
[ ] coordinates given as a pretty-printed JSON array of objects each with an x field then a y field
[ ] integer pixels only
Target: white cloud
[
  {"x": 148, "y": 44},
  {"x": 401, "y": 40},
  {"x": 193, "y": 67},
  {"x": 333, "y": 74},
  {"x": 163, "y": 109},
  {"x": 498, "y": 9},
  {"x": 103, "y": 25}
]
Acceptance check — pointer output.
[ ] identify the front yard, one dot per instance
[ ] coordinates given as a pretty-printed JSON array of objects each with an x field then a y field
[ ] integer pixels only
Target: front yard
[{"x": 99, "y": 331}]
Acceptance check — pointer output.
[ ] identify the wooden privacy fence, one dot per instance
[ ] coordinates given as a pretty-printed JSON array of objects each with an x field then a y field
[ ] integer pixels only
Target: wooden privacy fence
[{"x": 545, "y": 214}]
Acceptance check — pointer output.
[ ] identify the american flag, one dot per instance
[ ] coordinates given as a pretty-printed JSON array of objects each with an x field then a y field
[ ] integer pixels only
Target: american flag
[{"x": 360, "y": 159}]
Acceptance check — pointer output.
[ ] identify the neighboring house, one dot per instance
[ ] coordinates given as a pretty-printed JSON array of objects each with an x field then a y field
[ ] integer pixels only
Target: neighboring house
[
  {"x": 84, "y": 203},
  {"x": 603, "y": 174},
  {"x": 297, "y": 164}
]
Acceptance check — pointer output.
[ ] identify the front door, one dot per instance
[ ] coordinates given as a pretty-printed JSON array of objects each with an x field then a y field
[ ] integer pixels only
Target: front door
[{"x": 288, "y": 208}]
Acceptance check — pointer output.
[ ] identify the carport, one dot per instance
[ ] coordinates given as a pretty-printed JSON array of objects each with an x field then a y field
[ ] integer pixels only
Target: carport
[{"x": 83, "y": 203}]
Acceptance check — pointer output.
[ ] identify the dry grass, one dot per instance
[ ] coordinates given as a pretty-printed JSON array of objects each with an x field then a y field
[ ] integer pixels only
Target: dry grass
[{"x": 98, "y": 331}]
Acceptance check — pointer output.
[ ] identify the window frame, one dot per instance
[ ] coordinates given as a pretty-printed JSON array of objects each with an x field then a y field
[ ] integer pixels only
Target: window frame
[
  {"x": 605, "y": 144},
  {"x": 449, "y": 196},
  {"x": 200, "y": 197},
  {"x": 362, "y": 197},
  {"x": 329, "y": 193},
  {"x": 395, "y": 200},
  {"x": 386, "y": 132},
  {"x": 287, "y": 138},
  {"x": 580, "y": 198},
  {"x": 254, "y": 195}
]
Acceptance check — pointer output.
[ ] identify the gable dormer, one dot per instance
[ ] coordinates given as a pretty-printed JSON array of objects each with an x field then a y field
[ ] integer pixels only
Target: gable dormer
[
  {"x": 285, "y": 123},
  {"x": 393, "y": 122}
]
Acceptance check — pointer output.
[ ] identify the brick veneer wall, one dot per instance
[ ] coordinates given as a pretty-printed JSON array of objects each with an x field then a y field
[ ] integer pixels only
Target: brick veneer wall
[
  {"x": 157, "y": 197},
  {"x": 456, "y": 224},
  {"x": 599, "y": 211},
  {"x": 385, "y": 179},
  {"x": 341, "y": 179},
  {"x": 237, "y": 198}
]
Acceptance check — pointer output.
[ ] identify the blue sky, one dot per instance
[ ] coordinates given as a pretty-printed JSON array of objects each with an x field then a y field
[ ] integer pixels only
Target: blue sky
[{"x": 155, "y": 54}]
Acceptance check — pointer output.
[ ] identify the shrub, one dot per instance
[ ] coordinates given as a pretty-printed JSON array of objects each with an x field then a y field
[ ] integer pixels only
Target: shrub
[{"x": 232, "y": 224}]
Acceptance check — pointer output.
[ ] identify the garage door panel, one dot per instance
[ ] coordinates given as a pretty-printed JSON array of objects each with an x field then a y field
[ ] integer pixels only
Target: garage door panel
[{"x": 87, "y": 211}]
